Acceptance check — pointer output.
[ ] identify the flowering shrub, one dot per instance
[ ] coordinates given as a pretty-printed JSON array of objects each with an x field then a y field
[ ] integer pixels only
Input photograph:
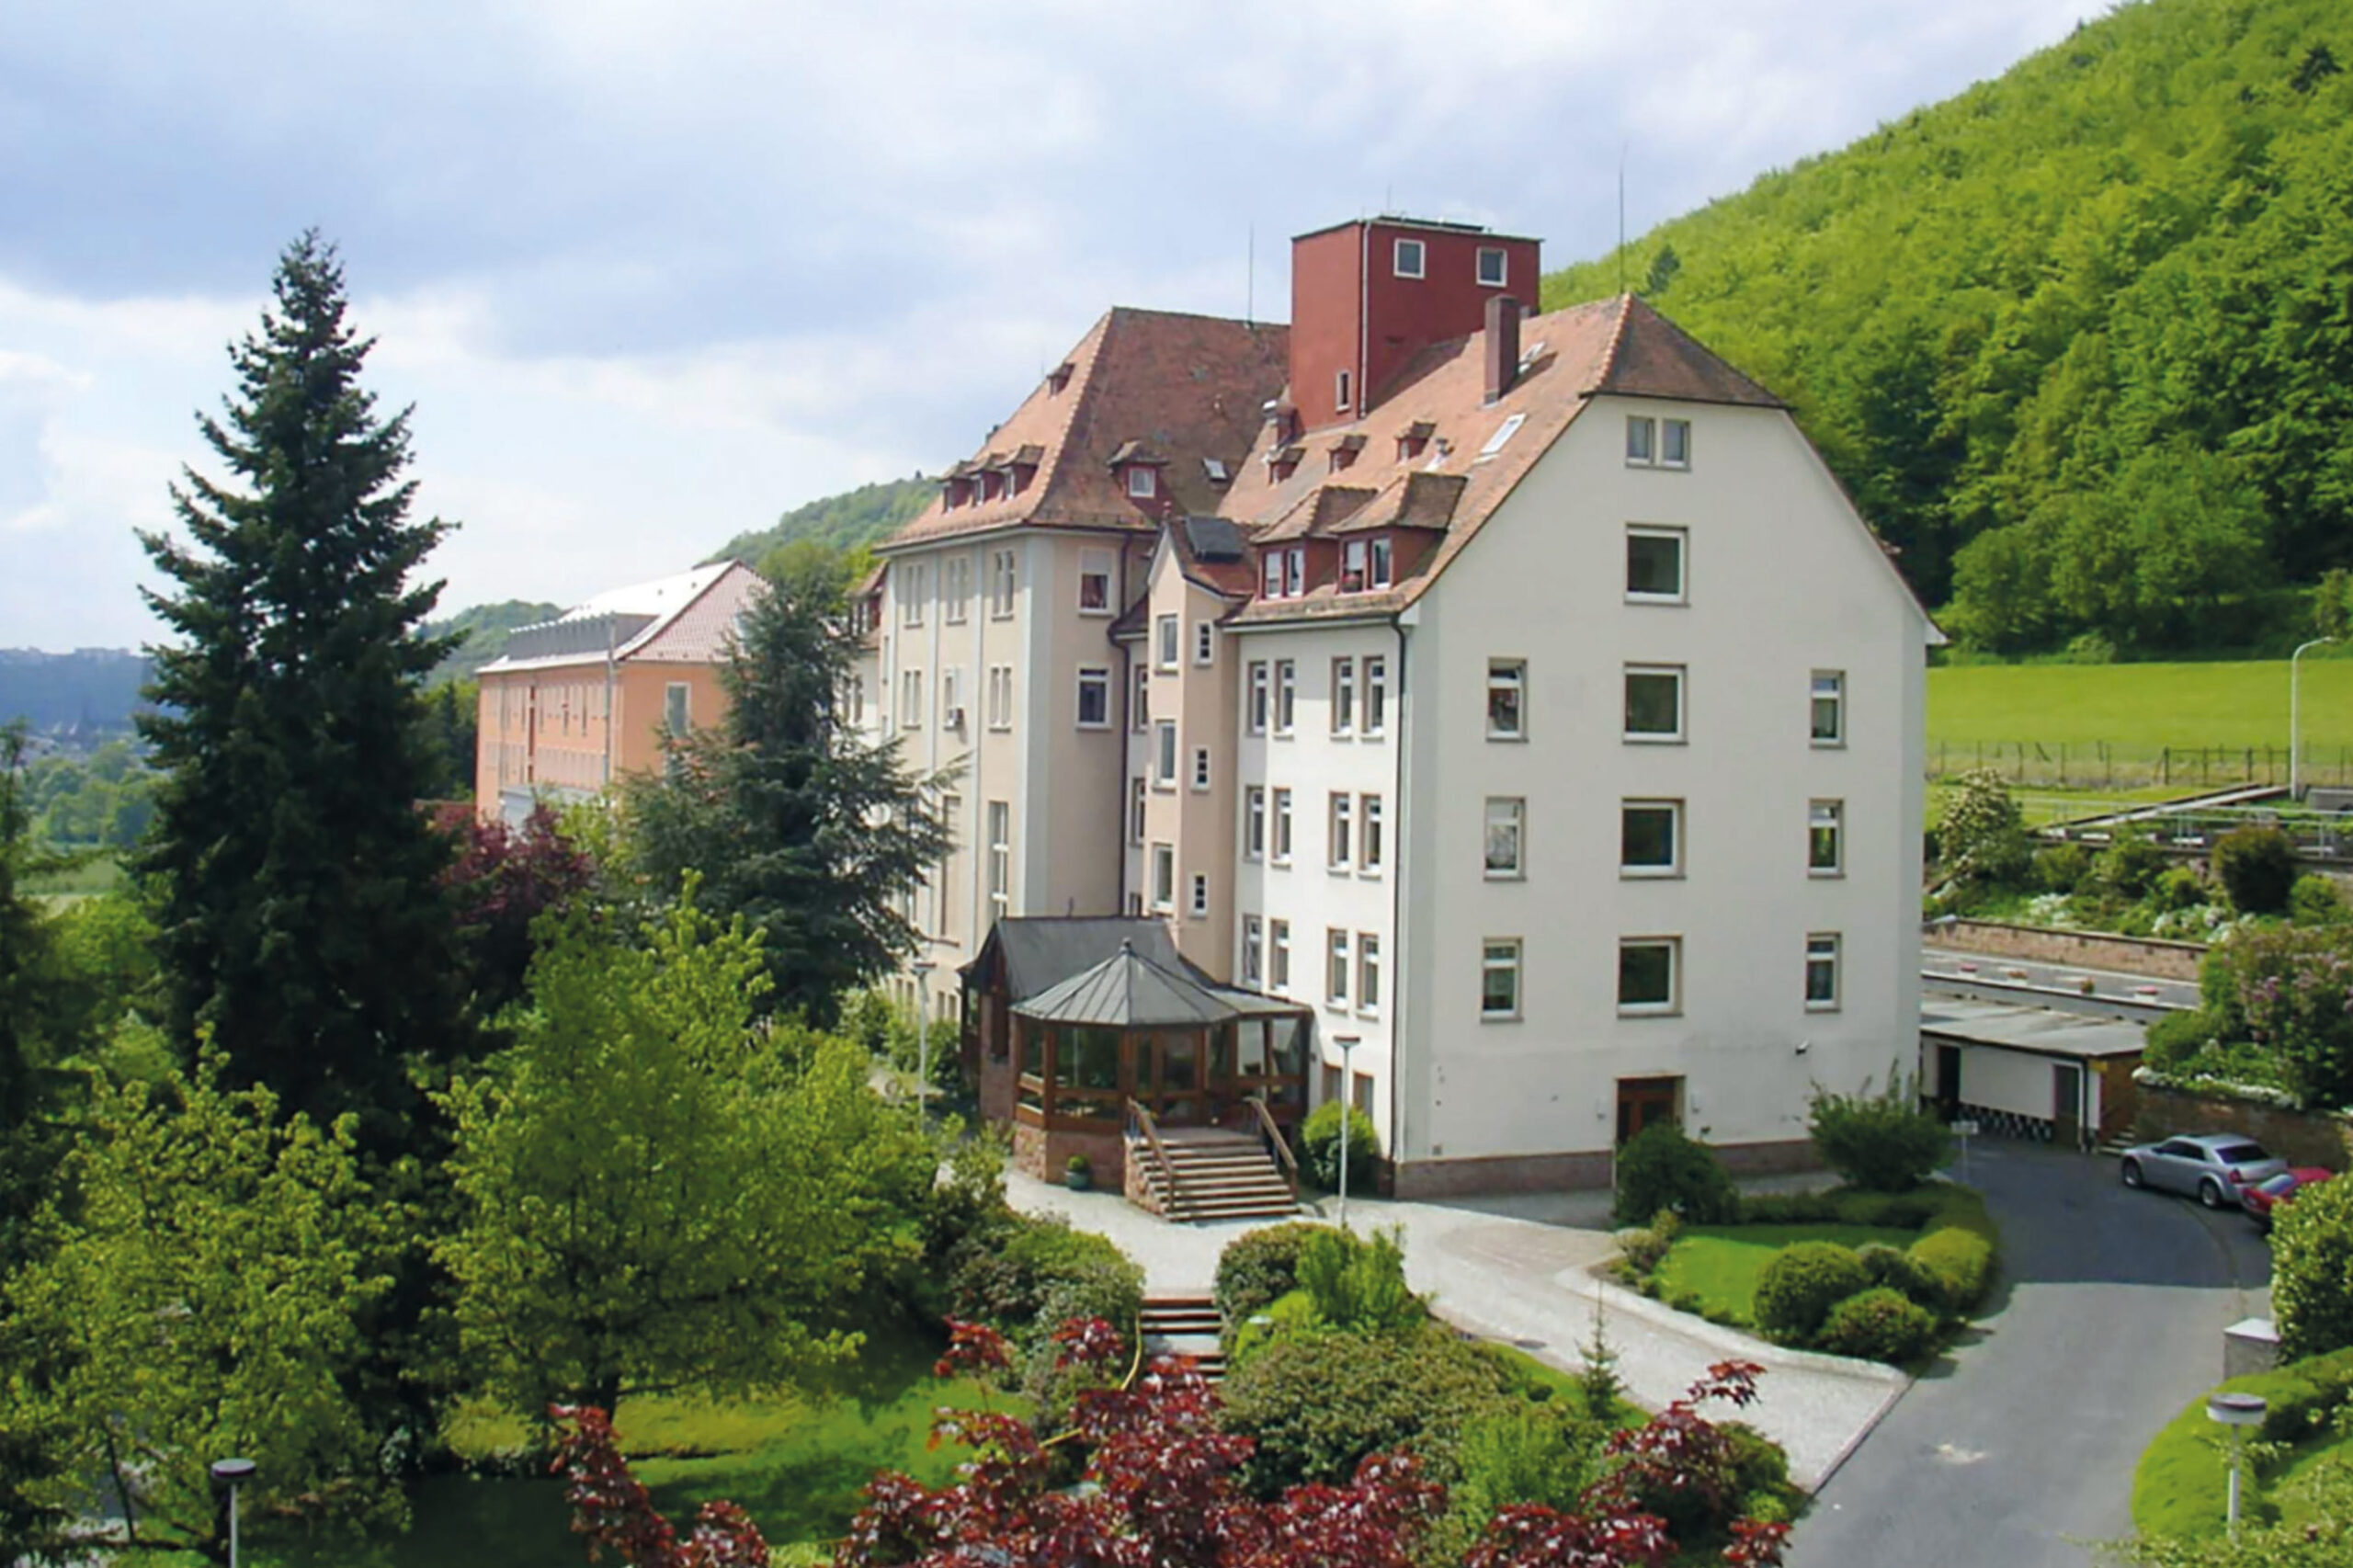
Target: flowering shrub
[{"x": 2293, "y": 990}]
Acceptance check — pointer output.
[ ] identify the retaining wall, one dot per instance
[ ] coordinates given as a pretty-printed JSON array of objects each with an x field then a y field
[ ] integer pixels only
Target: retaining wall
[
  {"x": 2089, "y": 950},
  {"x": 2299, "y": 1137}
]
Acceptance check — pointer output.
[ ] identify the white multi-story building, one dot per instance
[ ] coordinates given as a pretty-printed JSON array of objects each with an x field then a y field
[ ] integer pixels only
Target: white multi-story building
[{"x": 1530, "y": 701}]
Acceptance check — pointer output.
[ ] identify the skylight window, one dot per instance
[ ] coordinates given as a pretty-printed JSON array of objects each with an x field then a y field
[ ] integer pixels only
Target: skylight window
[
  {"x": 1216, "y": 468},
  {"x": 1504, "y": 433}
]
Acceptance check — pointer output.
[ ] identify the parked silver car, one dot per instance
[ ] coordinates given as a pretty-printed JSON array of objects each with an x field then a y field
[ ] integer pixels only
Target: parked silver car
[{"x": 2213, "y": 1167}]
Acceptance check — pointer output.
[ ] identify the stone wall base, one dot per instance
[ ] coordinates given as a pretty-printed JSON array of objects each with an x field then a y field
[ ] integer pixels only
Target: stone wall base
[
  {"x": 1044, "y": 1155},
  {"x": 2128, "y": 955},
  {"x": 1582, "y": 1170}
]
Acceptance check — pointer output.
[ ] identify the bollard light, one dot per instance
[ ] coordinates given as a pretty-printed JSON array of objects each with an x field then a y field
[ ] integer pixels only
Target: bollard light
[
  {"x": 232, "y": 1473},
  {"x": 2238, "y": 1412}
]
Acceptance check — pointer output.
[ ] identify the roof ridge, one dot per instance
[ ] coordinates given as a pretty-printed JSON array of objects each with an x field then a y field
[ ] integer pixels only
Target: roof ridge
[{"x": 1608, "y": 365}]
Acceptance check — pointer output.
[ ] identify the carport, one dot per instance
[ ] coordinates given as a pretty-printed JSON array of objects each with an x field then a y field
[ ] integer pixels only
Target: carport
[{"x": 2063, "y": 1078}]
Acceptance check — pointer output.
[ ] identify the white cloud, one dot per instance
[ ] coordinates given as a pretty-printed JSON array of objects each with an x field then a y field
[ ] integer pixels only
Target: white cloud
[{"x": 651, "y": 272}]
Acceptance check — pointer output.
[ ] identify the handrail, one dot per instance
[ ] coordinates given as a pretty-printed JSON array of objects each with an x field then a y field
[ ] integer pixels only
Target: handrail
[
  {"x": 1143, "y": 1119},
  {"x": 1274, "y": 1134}
]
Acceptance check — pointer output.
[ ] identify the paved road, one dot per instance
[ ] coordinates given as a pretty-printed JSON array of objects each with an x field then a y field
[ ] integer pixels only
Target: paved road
[
  {"x": 2018, "y": 1449},
  {"x": 2112, "y": 992}
]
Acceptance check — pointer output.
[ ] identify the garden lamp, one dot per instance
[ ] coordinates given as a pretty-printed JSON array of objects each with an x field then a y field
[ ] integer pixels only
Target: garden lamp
[
  {"x": 923, "y": 968},
  {"x": 232, "y": 1473},
  {"x": 1346, "y": 1042},
  {"x": 2238, "y": 1412}
]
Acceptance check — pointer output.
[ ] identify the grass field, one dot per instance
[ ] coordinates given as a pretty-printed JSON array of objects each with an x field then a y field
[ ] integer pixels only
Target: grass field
[
  {"x": 1720, "y": 1263},
  {"x": 100, "y": 873}
]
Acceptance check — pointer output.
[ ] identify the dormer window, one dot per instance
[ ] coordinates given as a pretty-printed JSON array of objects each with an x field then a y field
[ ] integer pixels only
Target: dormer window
[
  {"x": 1283, "y": 461},
  {"x": 1143, "y": 483},
  {"x": 1271, "y": 574},
  {"x": 1495, "y": 264},
  {"x": 988, "y": 486},
  {"x": 1354, "y": 564},
  {"x": 1017, "y": 479},
  {"x": 959, "y": 491},
  {"x": 1294, "y": 570},
  {"x": 1380, "y": 560},
  {"x": 1057, "y": 378},
  {"x": 1409, "y": 258}
]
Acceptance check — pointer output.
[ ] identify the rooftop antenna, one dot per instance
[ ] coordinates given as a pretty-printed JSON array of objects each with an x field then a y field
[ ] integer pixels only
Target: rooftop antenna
[
  {"x": 1622, "y": 218},
  {"x": 1250, "y": 276}
]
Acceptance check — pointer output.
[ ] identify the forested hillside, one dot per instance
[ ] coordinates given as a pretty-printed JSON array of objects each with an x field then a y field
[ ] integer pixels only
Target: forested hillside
[
  {"x": 87, "y": 691},
  {"x": 2079, "y": 340},
  {"x": 485, "y": 629},
  {"x": 840, "y": 522}
]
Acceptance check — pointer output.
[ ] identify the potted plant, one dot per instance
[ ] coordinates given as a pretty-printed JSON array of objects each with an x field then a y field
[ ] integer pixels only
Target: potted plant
[{"x": 1079, "y": 1173}]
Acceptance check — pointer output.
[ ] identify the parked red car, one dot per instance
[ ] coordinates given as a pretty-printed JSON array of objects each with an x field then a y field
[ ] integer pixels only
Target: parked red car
[{"x": 2264, "y": 1196}]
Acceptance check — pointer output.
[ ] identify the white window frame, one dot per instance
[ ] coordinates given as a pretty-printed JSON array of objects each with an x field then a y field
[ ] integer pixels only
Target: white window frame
[
  {"x": 1674, "y": 1003},
  {"x": 1397, "y": 250},
  {"x": 1294, "y": 570},
  {"x": 1165, "y": 638},
  {"x": 1339, "y": 829},
  {"x": 1196, "y": 899},
  {"x": 1501, "y": 955},
  {"x": 1254, "y": 823},
  {"x": 1502, "y": 280},
  {"x": 1642, "y": 441},
  {"x": 1259, "y": 698},
  {"x": 1099, "y": 677},
  {"x": 678, "y": 708},
  {"x": 1204, "y": 643},
  {"x": 1674, "y": 868},
  {"x": 1681, "y": 539},
  {"x": 1682, "y": 705},
  {"x": 1383, "y": 561},
  {"x": 1340, "y": 391},
  {"x": 1822, "y": 948},
  {"x": 1835, "y": 695},
  {"x": 918, "y": 589},
  {"x": 1163, "y": 861},
  {"x": 1356, "y": 568},
  {"x": 1372, "y": 849},
  {"x": 1140, "y": 698},
  {"x": 1821, "y": 814},
  {"x": 1004, "y": 581},
  {"x": 957, "y": 584},
  {"x": 1000, "y": 854},
  {"x": 1270, "y": 574},
  {"x": 951, "y": 695},
  {"x": 1200, "y": 770},
  {"x": 1369, "y": 973},
  {"x": 1285, "y": 696},
  {"x": 1000, "y": 697},
  {"x": 1337, "y": 963},
  {"x": 1164, "y": 754},
  {"x": 1138, "y": 793},
  {"x": 1344, "y": 697},
  {"x": 1376, "y": 698},
  {"x": 1253, "y": 949},
  {"x": 910, "y": 698},
  {"x": 1507, "y": 675},
  {"x": 1509, "y": 812},
  {"x": 1143, "y": 482},
  {"x": 1095, "y": 565},
  {"x": 1279, "y": 955},
  {"x": 1279, "y": 841},
  {"x": 1669, "y": 432}
]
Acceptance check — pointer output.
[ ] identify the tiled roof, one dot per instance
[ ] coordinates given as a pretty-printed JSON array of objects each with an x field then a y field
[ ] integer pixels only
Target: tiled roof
[
  {"x": 1169, "y": 387},
  {"x": 1620, "y": 347},
  {"x": 1214, "y": 552}
]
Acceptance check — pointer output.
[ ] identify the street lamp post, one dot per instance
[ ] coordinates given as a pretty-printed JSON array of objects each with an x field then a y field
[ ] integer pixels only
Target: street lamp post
[
  {"x": 232, "y": 1473},
  {"x": 923, "y": 968},
  {"x": 1346, "y": 1042},
  {"x": 2295, "y": 714},
  {"x": 2238, "y": 1412}
]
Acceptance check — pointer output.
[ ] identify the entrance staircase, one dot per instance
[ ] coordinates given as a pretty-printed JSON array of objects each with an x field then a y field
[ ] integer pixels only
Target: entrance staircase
[
  {"x": 1185, "y": 1326},
  {"x": 1206, "y": 1173}
]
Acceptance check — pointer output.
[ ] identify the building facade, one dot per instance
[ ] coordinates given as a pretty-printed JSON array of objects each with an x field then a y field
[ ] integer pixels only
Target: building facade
[
  {"x": 1524, "y": 695},
  {"x": 574, "y": 703}
]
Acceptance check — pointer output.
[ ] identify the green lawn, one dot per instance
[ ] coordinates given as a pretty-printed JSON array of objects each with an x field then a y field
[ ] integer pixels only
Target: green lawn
[
  {"x": 101, "y": 873},
  {"x": 797, "y": 1465},
  {"x": 1719, "y": 1264},
  {"x": 2181, "y": 1487}
]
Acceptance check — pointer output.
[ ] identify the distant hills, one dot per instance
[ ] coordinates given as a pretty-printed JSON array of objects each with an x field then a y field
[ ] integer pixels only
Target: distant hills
[
  {"x": 839, "y": 522},
  {"x": 90, "y": 692},
  {"x": 485, "y": 629},
  {"x": 2078, "y": 339}
]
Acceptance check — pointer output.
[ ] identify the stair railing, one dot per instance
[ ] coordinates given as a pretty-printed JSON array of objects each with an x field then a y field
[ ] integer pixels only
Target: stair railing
[
  {"x": 1139, "y": 1118},
  {"x": 1273, "y": 1137}
]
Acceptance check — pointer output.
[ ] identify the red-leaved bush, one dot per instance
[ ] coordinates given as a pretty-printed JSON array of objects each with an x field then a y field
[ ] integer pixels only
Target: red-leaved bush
[{"x": 1158, "y": 1489}]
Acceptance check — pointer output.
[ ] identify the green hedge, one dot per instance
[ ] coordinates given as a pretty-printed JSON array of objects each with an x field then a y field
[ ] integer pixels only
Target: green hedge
[
  {"x": 1879, "y": 1324},
  {"x": 1027, "y": 1277},
  {"x": 2181, "y": 1488},
  {"x": 1801, "y": 1284},
  {"x": 1260, "y": 1267}
]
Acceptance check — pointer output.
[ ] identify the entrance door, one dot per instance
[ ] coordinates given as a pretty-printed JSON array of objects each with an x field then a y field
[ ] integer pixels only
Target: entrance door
[
  {"x": 1947, "y": 1080},
  {"x": 2066, "y": 1103},
  {"x": 1642, "y": 1101}
]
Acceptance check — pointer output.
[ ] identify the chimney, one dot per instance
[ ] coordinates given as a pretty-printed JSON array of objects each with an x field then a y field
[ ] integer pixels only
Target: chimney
[{"x": 1502, "y": 343}]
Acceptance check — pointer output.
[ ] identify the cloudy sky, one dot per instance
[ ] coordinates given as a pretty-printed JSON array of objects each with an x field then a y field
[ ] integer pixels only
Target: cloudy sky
[{"x": 653, "y": 272}]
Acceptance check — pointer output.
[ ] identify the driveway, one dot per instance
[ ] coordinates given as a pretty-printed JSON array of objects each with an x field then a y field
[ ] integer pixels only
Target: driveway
[{"x": 2018, "y": 1450}]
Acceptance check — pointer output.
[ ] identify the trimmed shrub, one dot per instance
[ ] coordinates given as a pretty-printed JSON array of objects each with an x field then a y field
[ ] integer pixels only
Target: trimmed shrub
[
  {"x": 1883, "y": 1142},
  {"x": 1962, "y": 1262},
  {"x": 2062, "y": 868},
  {"x": 2312, "y": 1270},
  {"x": 2314, "y": 900},
  {"x": 1898, "y": 1270},
  {"x": 2256, "y": 866},
  {"x": 1319, "y": 1147},
  {"x": 1316, "y": 1403},
  {"x": 1028, "y": 1277},
  {"x": 1879, "y": 1324},
  {"x": 1798, "y": 1286},
  {"x": 1660, "y": 1168},
  {"x": 1260, "y": 1267}
]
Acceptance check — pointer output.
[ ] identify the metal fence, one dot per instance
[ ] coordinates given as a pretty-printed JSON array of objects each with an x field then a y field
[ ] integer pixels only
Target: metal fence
[{"x": 2103, "y": 764}]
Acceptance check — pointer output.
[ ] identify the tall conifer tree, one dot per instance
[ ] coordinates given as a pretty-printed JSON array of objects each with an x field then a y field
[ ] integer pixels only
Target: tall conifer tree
[{"x": 299, "y": 915}]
